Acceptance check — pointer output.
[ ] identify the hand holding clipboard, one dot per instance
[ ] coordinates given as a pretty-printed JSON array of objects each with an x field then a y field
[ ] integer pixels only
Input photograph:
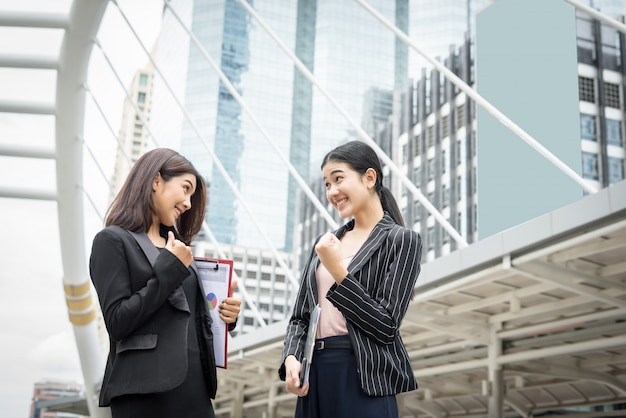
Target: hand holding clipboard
[{"x": 215, "y": 277}]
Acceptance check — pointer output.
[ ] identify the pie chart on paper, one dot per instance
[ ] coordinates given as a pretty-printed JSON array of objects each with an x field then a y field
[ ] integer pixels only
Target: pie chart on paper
[{"x": 211, "y": 301}]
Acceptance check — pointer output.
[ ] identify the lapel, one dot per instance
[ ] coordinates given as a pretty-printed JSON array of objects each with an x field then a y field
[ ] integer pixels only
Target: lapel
[
  {"x": 177, "y": 299},
  {"x": 362, "y": 256},
  {"x": 371, "y": 244}
]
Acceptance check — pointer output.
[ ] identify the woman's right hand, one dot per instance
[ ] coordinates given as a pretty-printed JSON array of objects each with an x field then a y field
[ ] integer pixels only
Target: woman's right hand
[
  {"x": 179, "y": 249},
  {"x": 292, "y": 377}
]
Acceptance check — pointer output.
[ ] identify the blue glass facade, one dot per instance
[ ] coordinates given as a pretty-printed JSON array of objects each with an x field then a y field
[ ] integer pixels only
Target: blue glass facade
[
  {"x": 214, "y": 111},
  {"x": 353, "y": 56}
]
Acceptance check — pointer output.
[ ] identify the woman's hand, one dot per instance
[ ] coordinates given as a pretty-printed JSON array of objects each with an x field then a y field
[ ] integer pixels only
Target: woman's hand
[
  {"x": 179, "y": 249},
  {"x": 292, "y": 377},
  {"x": 328, "y": 248},
  {"x": 230, "y": 307}
]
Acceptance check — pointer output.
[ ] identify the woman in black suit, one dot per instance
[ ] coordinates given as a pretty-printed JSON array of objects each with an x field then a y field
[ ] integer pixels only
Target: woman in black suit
[
  {"x": 362, "y": 276},
  {"x": 161, "y": 361}
]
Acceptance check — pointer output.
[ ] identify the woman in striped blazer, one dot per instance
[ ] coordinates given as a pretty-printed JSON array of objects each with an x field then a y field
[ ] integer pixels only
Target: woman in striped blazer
[{"x": 362, "y": 276}]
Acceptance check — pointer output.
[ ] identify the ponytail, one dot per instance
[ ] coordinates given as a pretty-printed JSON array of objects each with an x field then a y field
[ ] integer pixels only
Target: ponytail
[{"x": 390, "y": 205}]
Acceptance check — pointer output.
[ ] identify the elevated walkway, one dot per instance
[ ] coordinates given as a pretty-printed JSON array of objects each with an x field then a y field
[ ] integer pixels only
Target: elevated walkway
[{"x": 531, "y": 318}]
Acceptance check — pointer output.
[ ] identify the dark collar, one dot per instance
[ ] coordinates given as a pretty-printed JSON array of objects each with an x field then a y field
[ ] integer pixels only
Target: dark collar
[{"x": 386, "y": 222}]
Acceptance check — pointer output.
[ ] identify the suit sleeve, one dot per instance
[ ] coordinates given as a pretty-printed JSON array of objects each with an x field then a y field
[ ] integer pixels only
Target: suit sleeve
[
  {"x": 379, "y": 315},
  {"x": 125, "y": 310},
  {"x": 297, "y": 328}
]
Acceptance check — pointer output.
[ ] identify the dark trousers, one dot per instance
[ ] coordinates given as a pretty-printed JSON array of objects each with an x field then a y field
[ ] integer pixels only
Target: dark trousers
[{"x": 335, "y": 390}]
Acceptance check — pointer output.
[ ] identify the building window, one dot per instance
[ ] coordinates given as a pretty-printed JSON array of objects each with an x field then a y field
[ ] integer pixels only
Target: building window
[
  {"x": 459, "y": 195},
  {"x": 416, "y": 146},
  {"x": 614, "y": 132},
  {"x": 444, "y": 127},
  {"x": 416, "y": 176},
  {"x": 588, "y": 127},
  {"x": 458, "y": 152},
  {"x": 446, "y": 238},
  {"x": 445, "y": 198},
  {"x": 444, "y": 162},
  {"x": 430, "y": 136},
  {"x": 431, "y": 169},
  {"x": 586, "y": 89},
  {"x": 141, "y": 97},
  {"x": 431, "y": 238},
  {"x": 416, "y": 209},
  {"x": 405, "y": 153},
  {"x": 143, "y": 79},
  {"x": 616, "y": 170},
  {"x": 460, "y": 116},
  {"x": 473, "y": 190},
  {"x": 590, "y": 165},
  {"x": 611, "y": 92}
]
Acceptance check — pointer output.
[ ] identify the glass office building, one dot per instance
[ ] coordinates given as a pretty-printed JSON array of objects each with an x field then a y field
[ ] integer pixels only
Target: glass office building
[{"x": 352, "y": 55}]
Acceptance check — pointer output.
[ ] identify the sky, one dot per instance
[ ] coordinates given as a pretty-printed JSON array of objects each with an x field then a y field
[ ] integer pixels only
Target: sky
[{"x": 37, "y": 337}]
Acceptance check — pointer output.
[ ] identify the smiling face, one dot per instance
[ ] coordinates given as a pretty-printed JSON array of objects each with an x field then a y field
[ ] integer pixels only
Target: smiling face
[
  {"x": 172, "y": 198},
  {"x": 347, "y": 190}
]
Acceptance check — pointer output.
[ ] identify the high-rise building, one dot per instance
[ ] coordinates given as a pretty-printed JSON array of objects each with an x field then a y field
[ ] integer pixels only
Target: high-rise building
[
  {"x": 437, "y": 140},
  {"x": 437, "y": 26},
  {"x": 439, "y": 150},
  {"x": 133, "y": 137},
  {"x": 353, "y": 57}
]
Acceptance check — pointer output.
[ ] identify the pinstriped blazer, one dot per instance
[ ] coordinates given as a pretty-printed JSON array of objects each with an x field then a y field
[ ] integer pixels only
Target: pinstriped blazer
[{"x": 373, "y": 298}]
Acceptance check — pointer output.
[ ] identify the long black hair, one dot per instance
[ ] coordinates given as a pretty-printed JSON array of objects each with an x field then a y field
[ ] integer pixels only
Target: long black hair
[{"x": 361, "y": 157}]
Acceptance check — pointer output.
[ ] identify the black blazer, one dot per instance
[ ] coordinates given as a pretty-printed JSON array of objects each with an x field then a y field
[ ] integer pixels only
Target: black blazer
[
  {"x": 146, "y": 315},
  {"x": 373, "y": 298}
]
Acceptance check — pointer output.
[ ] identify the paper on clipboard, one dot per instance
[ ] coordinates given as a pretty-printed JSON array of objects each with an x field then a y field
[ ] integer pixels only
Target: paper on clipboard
[
  {"x": 309, "y": 347},
  {"x": 215, "y": 277}
]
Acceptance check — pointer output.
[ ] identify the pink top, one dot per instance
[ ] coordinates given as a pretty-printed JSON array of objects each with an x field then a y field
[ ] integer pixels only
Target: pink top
[{"x": 331, "y": 320}]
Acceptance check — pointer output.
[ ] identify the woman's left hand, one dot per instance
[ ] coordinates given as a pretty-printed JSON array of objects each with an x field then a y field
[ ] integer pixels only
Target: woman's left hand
[{"x": 230, "y": 307}]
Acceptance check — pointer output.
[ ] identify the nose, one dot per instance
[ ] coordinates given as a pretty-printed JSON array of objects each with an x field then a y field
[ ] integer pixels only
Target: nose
[
  {"x": 331, "y": 191},
  {"x": 187, "y": 204}
]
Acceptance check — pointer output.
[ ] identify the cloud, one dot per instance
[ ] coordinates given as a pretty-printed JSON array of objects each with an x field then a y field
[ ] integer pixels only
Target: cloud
[{"x": 57, "y": 357}]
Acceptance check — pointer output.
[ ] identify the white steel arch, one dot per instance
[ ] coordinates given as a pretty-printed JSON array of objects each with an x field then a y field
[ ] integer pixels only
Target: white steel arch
[
  {"x": 81, "y": 27},
  {"x": 84, "y": 22}
]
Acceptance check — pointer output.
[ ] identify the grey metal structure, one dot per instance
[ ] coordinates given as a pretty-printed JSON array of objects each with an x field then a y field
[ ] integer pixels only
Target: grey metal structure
[
  {"x": 530, "y": 320},
  {"x": 523, "y": 322}
]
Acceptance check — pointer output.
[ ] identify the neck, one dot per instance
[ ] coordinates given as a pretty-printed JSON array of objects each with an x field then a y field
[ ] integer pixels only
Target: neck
[
  {"x": 365, "y": 221},
  {"x": 154, "y": 233}
]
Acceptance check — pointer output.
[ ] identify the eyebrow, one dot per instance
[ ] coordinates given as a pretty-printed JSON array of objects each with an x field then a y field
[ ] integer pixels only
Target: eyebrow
[{"x": 337, "y": 170}]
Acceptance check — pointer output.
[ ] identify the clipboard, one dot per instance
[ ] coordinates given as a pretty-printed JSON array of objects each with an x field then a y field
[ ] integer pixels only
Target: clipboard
[
  {"x": 215, "y": 276},
  {"x": 309, "y": 347}
]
